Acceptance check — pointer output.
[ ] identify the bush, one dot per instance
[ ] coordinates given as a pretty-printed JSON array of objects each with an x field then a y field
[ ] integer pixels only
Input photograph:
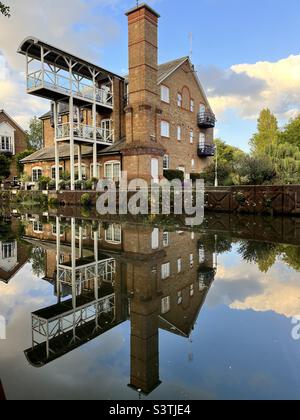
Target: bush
[
  {"x": 170, "y": 175},
  {"x": 44, "y": 182},
  {"x": 89, "y": 184},
  {"x": 195, "y": 177},
  {"x": 62, "y": 185},
  {"x": 85, "y": 200},
  {"x": 52, "y": 185},
  {"x": 53, "y": 202}
]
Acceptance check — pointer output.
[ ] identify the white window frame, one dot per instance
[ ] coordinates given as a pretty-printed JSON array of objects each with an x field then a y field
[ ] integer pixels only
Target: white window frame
[
  {"x": 113, "y": 235},
  {"x": 191, "y": 136},
  {"x": 179, "y": 100},
  {"x": 192, "y": 105},
  {"x": 193, "y": 164},
  {"x": 35, "y": 178},
  {"x": 191, "y": 260},
  {"x": 98, "y": 170},
  {"x": 165, "y": 129},
  {"x": 165, "y": 271},
  {"x": 166, "y": 162},
  {"x": 202, "y": 139},
  {"x": 166, "y": 239},
  {"x": 192, "y": 290},
  {"x": 165, "y": 305},
  {"x": 202, "y": 109},
  {"x": 179, "y": 132},
  {"x": 112, "y": 163},
  {"x": 61, "y": 170},
  {"x": 37, "y": 226},
  {"x": 83, "y": 171},
  {"x": 179, "y": 265},
  {"x": 54, "y": 229},
  {"x": 8, "y": 250},
  {"x": 165, "y": 94},
  {"x": 179, "y": 297}
]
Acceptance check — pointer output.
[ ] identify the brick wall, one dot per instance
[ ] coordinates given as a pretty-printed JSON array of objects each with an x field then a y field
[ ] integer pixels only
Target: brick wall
[{"x": 20, "y": 141}]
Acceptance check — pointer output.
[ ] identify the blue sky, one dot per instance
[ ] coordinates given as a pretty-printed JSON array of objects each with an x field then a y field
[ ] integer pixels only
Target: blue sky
[{"x": 247, "y": 53}]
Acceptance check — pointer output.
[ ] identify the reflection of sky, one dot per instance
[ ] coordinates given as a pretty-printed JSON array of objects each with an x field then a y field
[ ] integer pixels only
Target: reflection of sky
[{"x": 241, "y": 346}]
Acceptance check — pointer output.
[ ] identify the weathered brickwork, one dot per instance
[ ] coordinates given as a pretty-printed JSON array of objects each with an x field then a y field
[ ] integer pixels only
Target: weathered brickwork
[{"x": 19, "y": 139}]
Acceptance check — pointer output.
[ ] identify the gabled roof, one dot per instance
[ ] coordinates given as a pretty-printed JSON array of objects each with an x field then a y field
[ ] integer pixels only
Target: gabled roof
[
  {"x": 166, "y": 69},
  {"x": 11, "y": 119}
]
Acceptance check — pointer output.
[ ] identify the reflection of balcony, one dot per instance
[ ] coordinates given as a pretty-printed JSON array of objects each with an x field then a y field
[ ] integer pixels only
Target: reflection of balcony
[
  {"x": 85, "y": 133},
  {"x": 104, "y": 270},
  {"x": 54, "y": 86},
  {"x": 206, "y": 277},
  {"x": 206, "y": 151},
  {"x": 206, "y": 120},
  {"x": 61, "y": 328}
]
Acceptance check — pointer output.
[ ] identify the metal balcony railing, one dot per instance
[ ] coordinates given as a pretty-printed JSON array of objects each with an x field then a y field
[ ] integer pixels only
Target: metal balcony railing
[
  {"x": 85, "y": 132},
  {"x": 206, "y": 120},
  {"x": 49, "y": 80},
  {"x": 206, "y": 151}
]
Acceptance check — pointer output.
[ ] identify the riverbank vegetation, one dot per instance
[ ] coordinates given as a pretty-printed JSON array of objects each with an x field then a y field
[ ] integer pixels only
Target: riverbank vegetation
[{"x": 274, "y": 157}]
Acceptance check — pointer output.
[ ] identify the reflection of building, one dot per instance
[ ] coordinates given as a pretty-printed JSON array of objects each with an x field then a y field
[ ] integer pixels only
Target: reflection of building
[
  {"x": 13, "y": 253},
  {"x": 104, "y": 274}
]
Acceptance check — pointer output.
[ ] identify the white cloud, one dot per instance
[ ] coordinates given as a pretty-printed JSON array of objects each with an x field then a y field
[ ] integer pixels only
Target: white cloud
[
  {"x": 81, "y": 27},
  {"x": 247, "y": 88}
]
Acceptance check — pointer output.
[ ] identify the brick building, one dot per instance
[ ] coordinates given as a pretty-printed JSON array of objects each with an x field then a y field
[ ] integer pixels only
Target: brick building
[
  {"x": 156, "y": 118},
  {"x": 12, "y": 140}
]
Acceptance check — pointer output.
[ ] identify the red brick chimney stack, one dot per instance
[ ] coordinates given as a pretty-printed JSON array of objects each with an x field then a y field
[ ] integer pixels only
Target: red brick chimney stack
[{"x": 143, "y": 114}]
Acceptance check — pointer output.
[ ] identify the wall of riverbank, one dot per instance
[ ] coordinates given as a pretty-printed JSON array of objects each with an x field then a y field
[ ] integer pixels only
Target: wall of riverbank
[{"x": 271, "y": 200}]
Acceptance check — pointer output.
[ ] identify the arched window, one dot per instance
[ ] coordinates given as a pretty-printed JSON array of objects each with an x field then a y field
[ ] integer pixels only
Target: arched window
[
  {"x": 202, "y": 109},
  {"x": 83, "y": 170}
]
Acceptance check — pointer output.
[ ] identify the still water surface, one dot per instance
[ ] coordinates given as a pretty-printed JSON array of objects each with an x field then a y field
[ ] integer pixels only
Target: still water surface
[{"x": 126, "y": 311}]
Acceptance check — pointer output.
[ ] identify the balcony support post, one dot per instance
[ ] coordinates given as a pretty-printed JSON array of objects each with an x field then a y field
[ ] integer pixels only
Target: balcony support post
[
  {"x": 94, "y": 129},
  {"x": 71, "y": 118},
  {"x": 56, "y": 147},
  {"x": 58, "y": 259},
  {"x": 79, "y": 163}
]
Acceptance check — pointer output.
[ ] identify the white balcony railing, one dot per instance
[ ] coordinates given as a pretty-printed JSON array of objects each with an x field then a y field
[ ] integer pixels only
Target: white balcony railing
[
  {"x": 85, "y": 132},
  {"x": 104, "y": 269},
  {"x": 54, "y": 81}
]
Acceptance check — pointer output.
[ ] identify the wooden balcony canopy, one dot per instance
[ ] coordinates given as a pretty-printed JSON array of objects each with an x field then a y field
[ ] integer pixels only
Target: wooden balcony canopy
[{"x": 33, "y": 47}]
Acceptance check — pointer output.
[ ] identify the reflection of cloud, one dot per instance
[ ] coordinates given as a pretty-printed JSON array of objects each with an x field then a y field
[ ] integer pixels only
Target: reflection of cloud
[
  {"x": 247, "y": 88},
  {"x": 243, "y": 287}
]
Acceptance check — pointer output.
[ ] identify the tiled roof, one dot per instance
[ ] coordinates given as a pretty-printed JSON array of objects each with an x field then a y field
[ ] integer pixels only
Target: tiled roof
[{"x": 48, "y": 153}]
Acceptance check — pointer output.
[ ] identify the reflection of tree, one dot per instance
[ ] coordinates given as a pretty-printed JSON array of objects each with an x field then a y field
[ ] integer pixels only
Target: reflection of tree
[
  {"x": 6, "y": 233},
  {"x": 38, "y": 261},
  {"x": 261, "y": 253},
  {"x": 220, "y": 243},
  {"x": 291, "y": 256}
]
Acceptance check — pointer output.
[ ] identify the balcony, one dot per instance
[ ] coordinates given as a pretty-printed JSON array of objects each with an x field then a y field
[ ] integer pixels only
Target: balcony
[
  {"x": 206, "y": 151},
  {"x": 85, "y": 133},
  {"x": 54, "y": 86},
  {"x": 206, "y": 120}
]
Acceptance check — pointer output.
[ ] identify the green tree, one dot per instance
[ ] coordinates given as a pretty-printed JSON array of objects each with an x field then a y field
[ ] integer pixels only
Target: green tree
[
  {"x": 4, "y": 10},
  {"x": 261, "y": 253},
  {"x": 19, "y": 157},
  {"x": 255, "y": 171},
  {"x": 291, "y": 133},
  {"x": 35, "y": 134},
  {"x": 38, "y": 261},
  {"x": 5, "y": 163},
  {"x": 267, "y": 133},
  {"x": 228, "y": 158}
]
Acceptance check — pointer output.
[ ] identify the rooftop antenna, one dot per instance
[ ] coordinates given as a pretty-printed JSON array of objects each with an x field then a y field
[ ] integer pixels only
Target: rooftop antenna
[
  {"x": 137, "y": 3},
  {"x": 191, "y": 45}
]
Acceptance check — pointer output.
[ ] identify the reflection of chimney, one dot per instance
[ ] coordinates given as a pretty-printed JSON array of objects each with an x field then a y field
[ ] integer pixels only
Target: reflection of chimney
[{"x": 142, "y": 113}]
